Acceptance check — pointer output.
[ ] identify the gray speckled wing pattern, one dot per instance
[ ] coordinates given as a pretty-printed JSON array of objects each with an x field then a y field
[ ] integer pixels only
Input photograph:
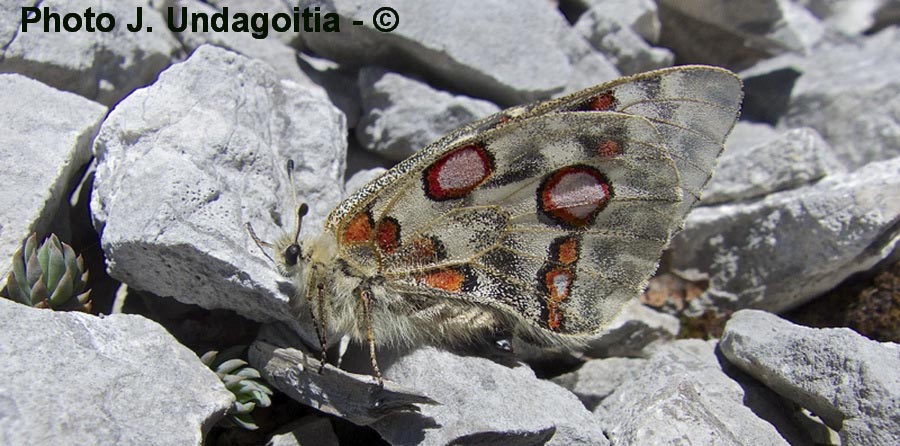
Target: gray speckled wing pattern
[{"x": 553, "y": 213}]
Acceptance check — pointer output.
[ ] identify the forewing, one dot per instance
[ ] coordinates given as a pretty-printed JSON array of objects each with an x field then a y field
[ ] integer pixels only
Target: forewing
[
  {"x": 694, "y": 108},
  {"x": 555, "y": 213}
]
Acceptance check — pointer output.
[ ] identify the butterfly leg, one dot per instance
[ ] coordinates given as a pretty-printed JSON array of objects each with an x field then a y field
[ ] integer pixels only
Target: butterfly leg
[
  {"x": 320, "y": 325},
  {"x": 366, "y": 300}
]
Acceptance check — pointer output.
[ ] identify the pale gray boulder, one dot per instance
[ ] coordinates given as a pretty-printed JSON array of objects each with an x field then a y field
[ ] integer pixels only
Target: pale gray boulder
[
  {"x": 74, "y": 378},
  {"x": 743, "y": 32},
  {"x": 482, "y": 48},
  {"x": 599, "y": 378},
  {"x": 846, "y": 92},
  {"x": 787, "y": 248},
  {"x": 45, "y": 142},
  {"x": 849, "y": 381},
  {"x": 102, "y": 66},
  {"x": 273, "y": 50},
  {"x": 401, "y": 116},
  {"x": 755, "y": 169},
  {"x": 682, "y": 395},
  {"x": 185, "y": 163},
  {"x": 485, "y": 403},
  {"x": 624, "y": 47}
]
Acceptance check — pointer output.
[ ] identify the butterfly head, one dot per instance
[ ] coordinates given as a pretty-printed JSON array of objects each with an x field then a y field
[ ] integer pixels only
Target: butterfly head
[{"x": 287, "y": 249}]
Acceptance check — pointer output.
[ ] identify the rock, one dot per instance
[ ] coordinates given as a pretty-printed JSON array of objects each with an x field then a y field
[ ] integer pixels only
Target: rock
[
  {"x": 768, "y": 86},
  {"x": 789, "y": 160},
  {"x": 311, "y": 430},
  {"x": 635, "y": 328},
  {"x": 484, "y": 403},
  {"x": 848, "y": 16},
  {"x": 743, "y": 33},
  {"x": 250, "y": 7},
  {"x": 746, "y": 134},
  {"x": 402, "y": 116},
  {"x": 847, "y": 380},
  {"x": 622, "y": 45},
  {"x": 640, "y": 15},
  {"x": 272, "y": 50},
  {"x": 339, "y": 84},
  {"x": 44, "y": 144},
  {"x": 589, "y": 67},
  {"x": 598, "y": 378},
  {"x": 683, "y": 396},
  {"x": 361, "y": 178},
  {"x": 185, "y": 163},
  {"x": 781, "y": 251},
  {"x": 73, "y": 378},
  {"x": 842, "y": 95},
  {"x": 354, "y": 397},
  {"x": 102, "y": 66},
  {"x": 888, "y": 14},
  {"x": 517, "y": 56}
]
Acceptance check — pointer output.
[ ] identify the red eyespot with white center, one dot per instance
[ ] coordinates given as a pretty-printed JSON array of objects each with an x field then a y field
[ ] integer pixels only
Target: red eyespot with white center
[
  {"x": 574, "y": 195},
  {"x": 457, "y": 173}
]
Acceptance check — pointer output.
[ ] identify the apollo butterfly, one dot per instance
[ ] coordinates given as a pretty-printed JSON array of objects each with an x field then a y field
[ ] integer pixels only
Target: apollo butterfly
[{"x": 541, "y": 221}]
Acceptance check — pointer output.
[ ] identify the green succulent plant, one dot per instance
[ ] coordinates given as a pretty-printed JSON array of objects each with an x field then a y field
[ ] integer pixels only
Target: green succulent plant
[
  {"x": 49, "y": 276},
  {"x": 243, "y": 381}
]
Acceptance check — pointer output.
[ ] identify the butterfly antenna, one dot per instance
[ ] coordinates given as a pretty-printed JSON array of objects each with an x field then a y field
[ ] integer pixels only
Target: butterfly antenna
[
  {"x": 301, "y": 211},
  {"x": 302, "y": 208},
  {"x": 262, "y": 245}
]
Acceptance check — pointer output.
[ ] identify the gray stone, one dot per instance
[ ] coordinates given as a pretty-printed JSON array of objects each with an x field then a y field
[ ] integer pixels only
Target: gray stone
[
  {"x": 844, "y": 96},
  {"x": 782, "y": 251},
  {"x": 361, "y": 178},
  {"x": 271, "y": 50},
  {"x": 639, "y": 15},
  {"x": 633, "y": 330},
  {"x": 848, "y": 16},
  {"x": 355, "y": 397},
  {"x": 100, "y": 66},
  {"x": 888, "y": 14},
  {"x": 482, "y": 48},
  {"x": 308, "y": 431},
  {"x": 73, "y": 378},
  {"x": 789, "y": 160},
  {"x": 485, "y": 403},
  {"x": 743, "y": 32},
  {"x": 45, "y": 142},
  {"x": 851, "y": 382},
  {"x": 598, "y": 378},
  {"x": 589, "y": 67},
  {"x": 185, "y": 163},
  {"x": 271, "y": 7},
  {"x": 683, "y": 396},
  {"x": 402, "y": 116},
  {"x": 746, "y": 134},
  {"x": 339, "y": 84},
  {"x": 620, "y": 44}
]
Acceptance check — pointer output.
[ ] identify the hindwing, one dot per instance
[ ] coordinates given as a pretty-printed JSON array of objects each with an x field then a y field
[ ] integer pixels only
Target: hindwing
[{"x": 554, "y": 213}]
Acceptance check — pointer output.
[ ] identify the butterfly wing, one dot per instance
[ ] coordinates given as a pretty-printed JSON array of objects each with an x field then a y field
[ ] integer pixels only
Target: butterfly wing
[{"x": 554, "y": 213}]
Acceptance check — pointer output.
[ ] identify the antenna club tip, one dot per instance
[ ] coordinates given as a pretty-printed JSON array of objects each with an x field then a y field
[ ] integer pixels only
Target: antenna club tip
[{"x": 302, "y": 210}]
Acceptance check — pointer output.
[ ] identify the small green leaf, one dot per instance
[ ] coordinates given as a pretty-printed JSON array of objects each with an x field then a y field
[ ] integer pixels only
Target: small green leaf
[
  {"x": 244, "y": 421},
  {"x": 63, "y": 291},
  {"x": 39, "y": 292},
  {"x": 231, "y": 365},
  {"x": 56, "y": 266},
  {"x": 33, "y": 270}
]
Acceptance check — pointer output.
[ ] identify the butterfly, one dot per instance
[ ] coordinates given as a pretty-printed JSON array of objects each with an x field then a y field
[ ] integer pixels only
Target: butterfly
[{"x": 541, "y": 221}]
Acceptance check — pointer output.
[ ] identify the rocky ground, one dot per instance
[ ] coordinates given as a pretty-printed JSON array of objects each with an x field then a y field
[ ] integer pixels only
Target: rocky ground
[{"x": 147, "y": 152}]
